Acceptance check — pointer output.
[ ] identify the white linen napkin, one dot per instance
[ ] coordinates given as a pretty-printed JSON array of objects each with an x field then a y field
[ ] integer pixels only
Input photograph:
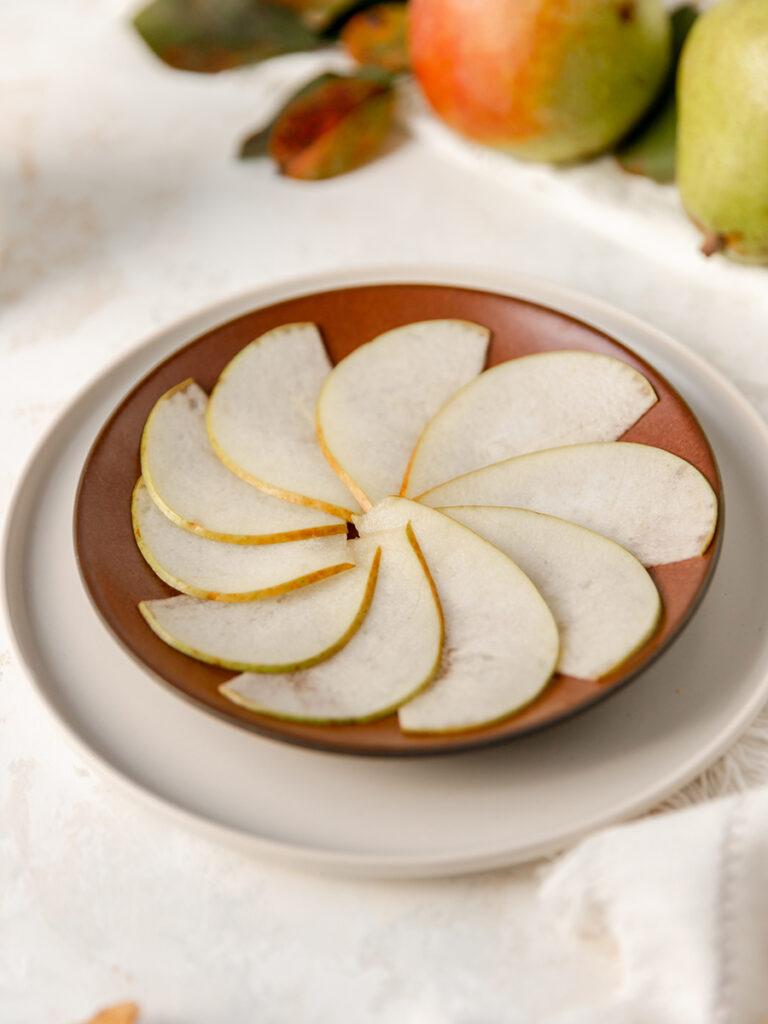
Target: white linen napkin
[{"x": 683, "y": 900}]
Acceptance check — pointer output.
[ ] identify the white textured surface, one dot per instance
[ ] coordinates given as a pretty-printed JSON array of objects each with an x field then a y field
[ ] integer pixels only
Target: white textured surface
[{"x": 121, "y": 210}]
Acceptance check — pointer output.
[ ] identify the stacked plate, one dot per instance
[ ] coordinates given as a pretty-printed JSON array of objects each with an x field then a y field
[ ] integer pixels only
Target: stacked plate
[{"x": 428, "y": 816}]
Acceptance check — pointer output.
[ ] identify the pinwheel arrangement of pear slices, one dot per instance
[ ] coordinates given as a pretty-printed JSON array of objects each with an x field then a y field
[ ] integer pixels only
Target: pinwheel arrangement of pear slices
[{"x": 405, "y": 532}]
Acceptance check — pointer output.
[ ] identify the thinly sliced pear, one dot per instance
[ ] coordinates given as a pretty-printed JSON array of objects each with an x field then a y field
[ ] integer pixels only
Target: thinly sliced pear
[
  {"x": 527, "y": 404},
  {"x": 230, "y": 572},
  {"x": 604, "y": 602},
  {"x": 261, "y": 419},
  {"x": 653, "y": 503},
  {"x": 279, "y": 634},
  {"x": 501, "y": 639},
  {"x": 394, "y": 654},
  {"x": 375, "y": 403},
  {"x": 193, "y": 487}
]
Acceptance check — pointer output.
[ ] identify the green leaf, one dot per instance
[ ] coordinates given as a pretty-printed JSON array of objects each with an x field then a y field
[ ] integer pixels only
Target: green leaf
[
  {"x": 378, "y": 37},
  {"x": 214, "y": 35},
  {"x": 682, "y": 23},
  {"x": 256, "y": 145},
  {"x": 651, "y": 153},
  {"x": 650, "y": 149},
  {"x": 331, "y": 126}
]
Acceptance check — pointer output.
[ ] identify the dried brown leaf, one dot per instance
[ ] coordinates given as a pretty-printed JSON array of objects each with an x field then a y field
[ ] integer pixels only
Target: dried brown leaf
[
  {"x": 257, "y": 144},
  {"x": 333, "y": 127}
]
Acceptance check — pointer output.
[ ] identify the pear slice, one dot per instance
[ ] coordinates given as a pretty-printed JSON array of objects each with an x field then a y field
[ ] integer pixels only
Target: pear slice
[
  {"x": 501, "y": 639},
  {"x": 193, "y": 487},
  {"x": 604, "y": 602},
  {"x": 527, "y": 404},
  {"x": 394, "y": 654},
  {"x": 230, "y": 572},
  {"x": 375, "y": 403},
  {"x": 279, "y": 634},
  {"x": 652, "y": 503},
  {"x": 261, "y": 419}
]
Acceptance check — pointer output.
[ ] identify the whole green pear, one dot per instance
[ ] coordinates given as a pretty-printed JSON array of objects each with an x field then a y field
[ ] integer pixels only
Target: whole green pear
[{"x": 722, "y": 146}]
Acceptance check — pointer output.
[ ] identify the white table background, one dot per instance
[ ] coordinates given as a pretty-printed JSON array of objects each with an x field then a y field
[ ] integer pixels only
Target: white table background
[{"x": 121, "y": 209}]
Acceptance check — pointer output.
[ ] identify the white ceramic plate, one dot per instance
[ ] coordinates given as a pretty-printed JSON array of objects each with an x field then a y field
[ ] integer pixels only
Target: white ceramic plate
[{"x": 397, "y": 818}]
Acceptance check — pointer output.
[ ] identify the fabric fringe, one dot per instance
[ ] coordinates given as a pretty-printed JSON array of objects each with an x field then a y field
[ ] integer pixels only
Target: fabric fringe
[{"x": 743, "y": 767}]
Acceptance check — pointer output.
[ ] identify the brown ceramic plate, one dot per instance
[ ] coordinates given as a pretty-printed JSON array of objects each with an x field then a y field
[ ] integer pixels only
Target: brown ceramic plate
[{"x": 117, "y": 577}]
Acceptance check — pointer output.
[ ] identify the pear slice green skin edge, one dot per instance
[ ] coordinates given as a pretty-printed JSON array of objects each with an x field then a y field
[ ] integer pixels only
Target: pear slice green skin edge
[
  {"x": 480, "y": 727},
  {"x": 241, "y": 666},
  {"x": 652, "y": 625},
  {"x": 641, "y": 398},
  {"x": 359, "y": 495},
  {"x": 383, "y": 712},
  {"x": 277, "y": 492},
  {"x": 430, "y": 499},
  {"x": 207, "y": 595},
  {"x": 376, "y": 716},
  {"x": 388, "y": 515},
  {"x": 378, "y": 345},
  {"x": 293, "y": 497},
  {"x": 456, "y": 731},
  {"x": 283, "y": 536}
]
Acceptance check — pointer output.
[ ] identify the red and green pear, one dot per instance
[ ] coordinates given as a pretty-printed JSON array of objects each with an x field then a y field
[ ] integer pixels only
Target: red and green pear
[{"x": 547, "y": 80}]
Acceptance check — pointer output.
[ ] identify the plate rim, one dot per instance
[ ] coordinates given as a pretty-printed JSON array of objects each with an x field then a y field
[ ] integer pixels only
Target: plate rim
[{"x": 527, "y": 287}]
